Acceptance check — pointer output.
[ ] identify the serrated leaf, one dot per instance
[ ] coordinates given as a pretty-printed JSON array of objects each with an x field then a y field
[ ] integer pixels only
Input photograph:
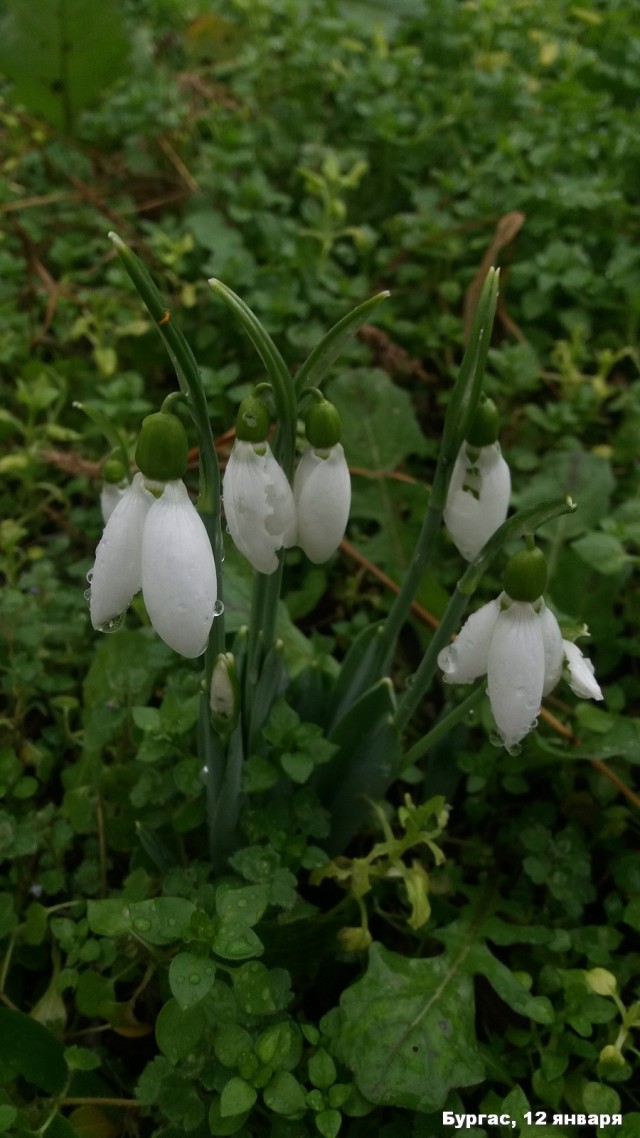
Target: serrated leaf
[{"x": 404, "y": 1017}]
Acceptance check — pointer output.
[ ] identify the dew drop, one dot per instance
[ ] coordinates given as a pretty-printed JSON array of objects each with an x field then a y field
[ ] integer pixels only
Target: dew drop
[
  {"x": 218, "y": 608},
  {"x": 126, "y": 913},
  {"x": 208, "y": 971},
  {"x": 514, "y": 750},
  {"x": 141, "y": 925},
  {"x": 194, "y": 978},
  {"x": 179, "y": 980},
  {"x": 87, "y": 595},
  {"x": 171, "y": 922},
  {"x": 114, "y": 624},
  {"x": 90, "y": 576},
  {"x": 495, "y": 740}
]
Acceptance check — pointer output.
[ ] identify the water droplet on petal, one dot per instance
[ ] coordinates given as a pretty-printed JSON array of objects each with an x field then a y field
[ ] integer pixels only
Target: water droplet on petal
[
  {"x": 90, "y": 576},
  {"x": 496, "y": 740},
  {"x": 514, "y": 750},
  {"x": 114, "y": 624},
  {"x": 218, "y": 608}
]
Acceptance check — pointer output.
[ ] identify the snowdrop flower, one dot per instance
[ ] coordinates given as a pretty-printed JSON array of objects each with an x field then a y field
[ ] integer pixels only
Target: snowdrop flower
[
  {"x": 258, "y": 501},
  {"x": 117, "y": 572},
  {"x": 321, "y": 484},
  {"x": 518, "y": 644},
  {"x": 258, "y": 504},
  {"x": 480, "y": 486},
  {"x": 179, "y": 582},
  {"x": 478, "y": 498},
  {"x": 156, "y": 541},
  {"x": 322, "y": 495}
]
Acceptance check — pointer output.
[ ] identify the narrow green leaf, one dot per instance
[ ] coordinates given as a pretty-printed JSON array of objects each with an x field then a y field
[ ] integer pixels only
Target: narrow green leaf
[
  {"x": 27, "y": 1048},
  {"x": 324, "y": 355}
]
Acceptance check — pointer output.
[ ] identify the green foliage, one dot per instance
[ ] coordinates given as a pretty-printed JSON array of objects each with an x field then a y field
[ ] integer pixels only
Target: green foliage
[{"x": 356, "y": 967}]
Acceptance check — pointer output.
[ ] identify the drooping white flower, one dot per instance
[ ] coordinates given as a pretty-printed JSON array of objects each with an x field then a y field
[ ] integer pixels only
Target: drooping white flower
[
  {"x": 581, "y": 677},
  {"x": 478, "y": 497},
  {"x": 179, "y": 583},
  {"x": 519, "y": 646},
  {"x": 117, "y": 573},
  {"x": 159, "y": 545},
  {"x": 258, "y": 504},
  {"x": 322, "y": 495}
]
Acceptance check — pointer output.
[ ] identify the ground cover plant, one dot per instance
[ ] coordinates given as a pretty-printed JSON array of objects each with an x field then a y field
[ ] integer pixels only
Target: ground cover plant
[{"x": 310, "y": 894}]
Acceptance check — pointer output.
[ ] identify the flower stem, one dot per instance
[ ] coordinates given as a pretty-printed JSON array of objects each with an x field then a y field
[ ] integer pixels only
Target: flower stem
[
  {"x": 462, "y": 405},
  {"x": 443, "y": 726}
]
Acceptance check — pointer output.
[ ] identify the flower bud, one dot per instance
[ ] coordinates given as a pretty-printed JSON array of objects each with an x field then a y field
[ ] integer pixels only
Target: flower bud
[
  {"x": 225, "y": 693},
  {"x": 323, "y": 425},
  {"x": 162, "y": 450},
  {"x": 252, "y": 420},
  {"x": 113, "y": 472},
  {"x": 484, "y": 426},
  {"x": 525, "y": 576},
  {"x": 601, "y": 981}
]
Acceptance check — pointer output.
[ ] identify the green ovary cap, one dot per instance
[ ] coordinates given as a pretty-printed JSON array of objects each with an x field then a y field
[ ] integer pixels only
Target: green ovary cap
[
  {"x": 162, "y": 450},
  {"x": 485, "y": 424},
  {"x": 525, "y": 576},
  {"x": 323, "y": 425},
  {"x": 252, "y": 421},
  {"x": 113, "y": 472}
]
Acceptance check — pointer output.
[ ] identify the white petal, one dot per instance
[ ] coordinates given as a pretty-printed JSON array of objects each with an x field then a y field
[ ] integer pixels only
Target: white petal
[
  {"x": 178, "y": 572},
  {"x": 516, "y": 671},
  {"x": 553, "y": 653},
  {"x": 110, "y": 495},
  {"x": 472, "y": 520},
  {"x": 117, "y": 573},
  {"x": 258, "y": 504},
  {"x": 322, "y": 494},
  {"x": 582, "y": 679},
  {"x": 466, "y": 659}
]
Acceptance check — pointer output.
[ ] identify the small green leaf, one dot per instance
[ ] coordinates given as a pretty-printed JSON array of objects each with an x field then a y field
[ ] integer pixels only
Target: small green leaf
[
  {"x": 285, "y": 1095},
  {"x": 298, "y": 766},
  {"x": 237, "y": 1096},
  {"x": 27, "y": 1048},
  {"x": 328, "y": 1123},
  {"x": 245, "y": 904},
  {"x": 81, "y": 1059},
  {"x": 260, "y": 991},
  {"x": 178, "y": 1031},
  {"x": 235, "y": 942},
  {"x": 191, "y": 977},
  {"x": 322, "y": 1069},
  {"x": 220, "y": 1125}
]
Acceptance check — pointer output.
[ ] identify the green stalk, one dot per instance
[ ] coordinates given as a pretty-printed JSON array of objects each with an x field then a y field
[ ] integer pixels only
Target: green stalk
[
  {"x": 525, "y": 521},
  {"x": 213, "y": 752},
  {"x": 443, "y": 727},
  {"x": 462, "y": 405},
  {"x": 277, "y": 370}
]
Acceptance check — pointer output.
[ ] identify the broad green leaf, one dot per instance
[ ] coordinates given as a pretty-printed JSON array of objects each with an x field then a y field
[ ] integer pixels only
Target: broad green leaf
[
  {"x": 404, "y": 1018},
  {"x": 603, "y": 552},
  {"x": 191, "y": 978},
  {"x": 28, "y": 1049},
  {"x": 379, "y": 423},
  {"x": 586, "y": 477},
  {"x": 62, "y": 54}
]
